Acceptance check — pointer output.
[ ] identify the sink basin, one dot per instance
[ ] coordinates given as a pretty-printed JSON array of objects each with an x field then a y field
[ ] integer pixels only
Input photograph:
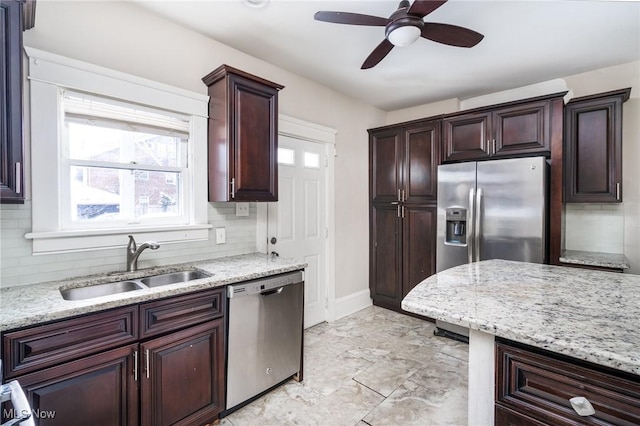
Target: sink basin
[
  {"x": 97, "y": 290},
  {"x": 89, "y": 292},
  {"x": 172, "y": 278}
]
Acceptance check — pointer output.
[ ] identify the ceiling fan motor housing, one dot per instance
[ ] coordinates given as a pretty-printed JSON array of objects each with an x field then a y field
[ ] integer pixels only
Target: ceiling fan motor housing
[{"x": 403, "y": 30}]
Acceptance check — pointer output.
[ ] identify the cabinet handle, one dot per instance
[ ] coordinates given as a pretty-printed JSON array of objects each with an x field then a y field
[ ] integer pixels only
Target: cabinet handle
[
  {"x": 399, "y": 196},
  {"x": 582, "y": 406},
  {"x": 398, "y": 211},
  {"x": 135, "y": 365},
  {"x": 493, "y": 142},
  {"x": 146, "y": 356},
  {"x": 233, "y": 187},
  {"x": 403, "y": 211},
  {"x": 403, "y": 196},
  {"x": 618, "y": 191},
  {"x": 18, "y": 178}
]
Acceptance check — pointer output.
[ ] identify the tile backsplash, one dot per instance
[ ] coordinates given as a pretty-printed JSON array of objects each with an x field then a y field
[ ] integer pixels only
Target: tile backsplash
[
  {"x": 19, "y": 267},
  {"x": 594, "y": 227}
]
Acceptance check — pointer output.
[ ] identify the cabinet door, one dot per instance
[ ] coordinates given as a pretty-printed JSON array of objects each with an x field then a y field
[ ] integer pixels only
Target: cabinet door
[
  {"x": 521, "y": 129},
  {"x": 420, "y": 162},
  {"x": 385, "y": 274},
  {"x": 418, "y": 245},
  {"x": 183, "y": 376},
  {"x": 506, "y": 417},
  {"x": 593, "y": 151},
  {"x": 253, "y": 140},
  {"x": 96, "y": 390},
  {"x": 466, "y": 137},
  {"x": 11, "y": 174},
  {"x": 385, "y": 150}
]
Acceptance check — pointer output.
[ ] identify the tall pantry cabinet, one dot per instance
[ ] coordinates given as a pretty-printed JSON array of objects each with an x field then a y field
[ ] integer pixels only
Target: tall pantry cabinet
[{"x": 403, "y": 161}]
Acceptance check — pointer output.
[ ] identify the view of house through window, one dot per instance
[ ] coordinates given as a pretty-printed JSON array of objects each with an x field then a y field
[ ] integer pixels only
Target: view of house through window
[{"x": 124, "y": 164}]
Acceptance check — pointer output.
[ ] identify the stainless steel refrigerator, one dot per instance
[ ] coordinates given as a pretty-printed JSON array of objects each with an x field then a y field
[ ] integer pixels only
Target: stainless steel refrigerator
[{"x": 493, "y": 209}]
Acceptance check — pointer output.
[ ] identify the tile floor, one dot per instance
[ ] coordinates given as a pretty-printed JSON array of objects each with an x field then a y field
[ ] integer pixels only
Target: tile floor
[{"x": 375, "y": 367}]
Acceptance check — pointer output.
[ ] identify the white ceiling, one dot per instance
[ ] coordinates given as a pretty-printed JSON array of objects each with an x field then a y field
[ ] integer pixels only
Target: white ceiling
[{"x": 525, "y": 42}]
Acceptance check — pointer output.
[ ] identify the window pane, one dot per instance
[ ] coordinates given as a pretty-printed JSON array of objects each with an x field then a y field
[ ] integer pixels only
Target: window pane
[
  {"x": 286, "y": 156},
  {"x": 106, "y": 194},
  {"x": 311, "y": 159},
  {"x": 101, "y": 143}
]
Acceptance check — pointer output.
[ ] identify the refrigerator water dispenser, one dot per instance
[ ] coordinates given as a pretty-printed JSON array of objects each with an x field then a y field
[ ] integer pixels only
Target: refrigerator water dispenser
[{"x": 456, "y": 226}]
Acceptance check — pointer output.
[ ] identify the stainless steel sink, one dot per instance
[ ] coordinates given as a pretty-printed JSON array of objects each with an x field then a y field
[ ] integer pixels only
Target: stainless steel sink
[
  {"x": 97, "y": 290},
  {"x": 107, "y": 289},
  {"x": 173, "y": 278}
]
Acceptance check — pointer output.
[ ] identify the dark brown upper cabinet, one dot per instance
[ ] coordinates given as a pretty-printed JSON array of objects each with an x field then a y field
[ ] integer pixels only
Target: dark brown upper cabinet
[
  {"x": 242, "y": 135},
  {"x": 404, "y": 162},
  {"x": 506, "y": 130},
  {"x": 593, "y": 148},
  {"x": 11, "y": 144}
]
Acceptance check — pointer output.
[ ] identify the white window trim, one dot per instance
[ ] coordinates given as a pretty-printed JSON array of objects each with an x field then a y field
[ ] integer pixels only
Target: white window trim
[{"x": 49, "y": 72}]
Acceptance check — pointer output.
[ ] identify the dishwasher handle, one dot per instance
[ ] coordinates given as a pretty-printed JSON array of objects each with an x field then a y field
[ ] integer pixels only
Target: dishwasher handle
[{"x": 272, "y": 292}]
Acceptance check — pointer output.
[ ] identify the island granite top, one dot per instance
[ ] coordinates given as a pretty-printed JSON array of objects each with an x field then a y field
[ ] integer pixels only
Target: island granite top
[
  {"x": 38, "y": 303},
  {"x": 589, "y": 315}
]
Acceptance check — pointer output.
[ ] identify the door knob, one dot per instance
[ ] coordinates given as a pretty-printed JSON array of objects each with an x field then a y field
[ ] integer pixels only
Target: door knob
[{"x": 273, "y": 240}]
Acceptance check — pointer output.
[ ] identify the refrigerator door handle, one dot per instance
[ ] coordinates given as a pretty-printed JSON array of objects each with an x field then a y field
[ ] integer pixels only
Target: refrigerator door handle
[
  {"x": 470, "y": 229},
  {"x": 477, "y": 229}
]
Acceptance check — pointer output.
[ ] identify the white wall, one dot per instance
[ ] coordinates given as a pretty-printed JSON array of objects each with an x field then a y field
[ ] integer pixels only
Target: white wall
[{"x": 124, "y": 37}]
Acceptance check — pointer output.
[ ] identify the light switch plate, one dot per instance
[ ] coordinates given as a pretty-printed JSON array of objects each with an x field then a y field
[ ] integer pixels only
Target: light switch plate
[
  {"x": 221, "y": 235},
  {"x": 242, "y": 209}
]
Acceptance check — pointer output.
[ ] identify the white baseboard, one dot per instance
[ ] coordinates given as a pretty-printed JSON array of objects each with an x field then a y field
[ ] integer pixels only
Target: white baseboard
[{"x": 352, "y": 303}]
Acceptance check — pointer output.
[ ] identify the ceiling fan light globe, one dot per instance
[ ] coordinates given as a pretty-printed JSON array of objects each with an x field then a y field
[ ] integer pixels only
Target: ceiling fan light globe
[{"x": 404, "y": 35}]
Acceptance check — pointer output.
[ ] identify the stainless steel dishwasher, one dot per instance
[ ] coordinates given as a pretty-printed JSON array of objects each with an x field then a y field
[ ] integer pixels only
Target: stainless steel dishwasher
[{"x": 265, "y": 334}]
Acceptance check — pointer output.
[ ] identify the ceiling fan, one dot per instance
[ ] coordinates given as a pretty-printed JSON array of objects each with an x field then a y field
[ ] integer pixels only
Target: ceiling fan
[{"x": 405, "y": 26}]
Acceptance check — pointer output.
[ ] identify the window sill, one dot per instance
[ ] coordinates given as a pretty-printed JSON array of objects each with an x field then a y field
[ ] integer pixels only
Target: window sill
[{"x": 99, "y": 239}]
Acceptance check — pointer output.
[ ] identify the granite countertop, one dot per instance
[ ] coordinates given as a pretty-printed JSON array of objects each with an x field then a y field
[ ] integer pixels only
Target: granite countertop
[
  {"x": 595, "y": 258},
  {"x": 33, "y": 304},
  {"x": 585, "y": 314}
]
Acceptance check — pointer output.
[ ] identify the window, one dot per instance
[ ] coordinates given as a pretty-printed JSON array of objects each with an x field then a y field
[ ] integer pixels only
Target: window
[
  {"x": 130, "y": 157},
  {"x": 113, "y": 153},
  {"x": 311, "y": 160},
  {"x": 286, "y": 156}
]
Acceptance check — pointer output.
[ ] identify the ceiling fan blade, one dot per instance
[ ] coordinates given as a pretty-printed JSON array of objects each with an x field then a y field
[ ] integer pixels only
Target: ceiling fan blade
[
  {"x": 350, "y": 18},
  {"x": 377, "y": 55},
  {"x": 421, "y": 8},
  {"x": 452, "y": 35}
]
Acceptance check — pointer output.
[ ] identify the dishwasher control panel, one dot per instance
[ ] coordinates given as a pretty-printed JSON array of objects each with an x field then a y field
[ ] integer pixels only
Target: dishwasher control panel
[{"x": 264, "y": 284}]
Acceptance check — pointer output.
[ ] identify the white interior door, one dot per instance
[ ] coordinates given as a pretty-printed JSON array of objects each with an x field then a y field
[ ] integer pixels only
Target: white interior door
[{"x": 297, "y": 222}]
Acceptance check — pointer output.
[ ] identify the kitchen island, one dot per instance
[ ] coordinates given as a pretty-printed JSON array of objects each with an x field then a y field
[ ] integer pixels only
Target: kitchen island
[{"x": 586, "y": 315}]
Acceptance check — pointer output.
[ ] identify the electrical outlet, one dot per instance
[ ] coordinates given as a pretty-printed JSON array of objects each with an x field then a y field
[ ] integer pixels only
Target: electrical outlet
[
  {"x": 221, "y": 236},
  {"x": 242, "y": 209}
]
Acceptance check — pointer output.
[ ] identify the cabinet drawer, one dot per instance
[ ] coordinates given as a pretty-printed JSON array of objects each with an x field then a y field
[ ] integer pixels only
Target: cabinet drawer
[
  {"x": 539, "y": 386},
  {"x": 178, "y": 312},
  {"x": 39, "y": 347}
]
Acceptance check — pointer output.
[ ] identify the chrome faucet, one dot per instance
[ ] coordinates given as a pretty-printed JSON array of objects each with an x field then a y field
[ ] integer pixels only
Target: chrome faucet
[{"x": 133, "y": 252}]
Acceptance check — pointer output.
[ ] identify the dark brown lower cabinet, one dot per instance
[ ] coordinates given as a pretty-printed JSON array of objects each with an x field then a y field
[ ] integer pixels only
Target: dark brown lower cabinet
[
  {"x": 183, "y": 376},
  {"x": 96, "y": 390},
  {"x": 418, "y": 245},
  {"x": 386, "y": 256},
  {"x": 534, "y": 387},
  {"x": 402, "y": 250},
  {"x": 506, "y": 417},
  {"x": 111, "y": 368}
]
